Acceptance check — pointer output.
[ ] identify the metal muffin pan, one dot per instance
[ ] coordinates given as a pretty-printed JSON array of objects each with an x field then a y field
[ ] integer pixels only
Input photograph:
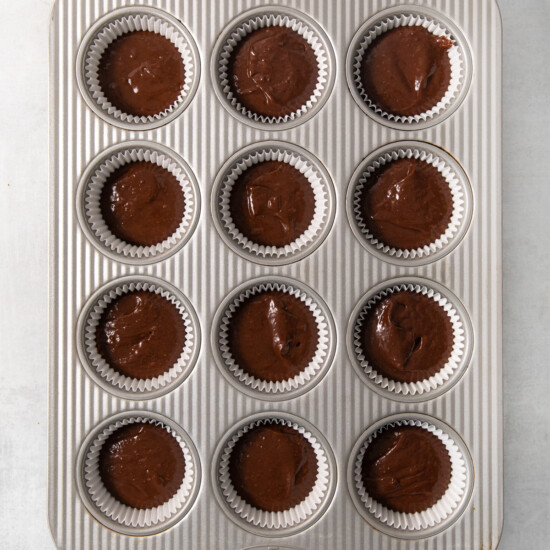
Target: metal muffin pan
[{"x": 205, "y": 270}]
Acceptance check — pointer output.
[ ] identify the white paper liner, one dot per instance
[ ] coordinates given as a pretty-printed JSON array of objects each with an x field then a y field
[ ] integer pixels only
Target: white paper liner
[
  {"x": 275, "y": 20},
  {"x": 317, "y": 363},
  {"x": 320, "y": 194},
  {"x": 275, "y": 520},
  {"x": 455, "y": 186},
  {"x": 118, "y": 27},
  {"x": 431, "y": 516},
  {"x": 136, "y": 385},
  {"x": 127, "y": 515},
  {"x": 456, "y": 57},
  {"x": 92, "y": 197},
  {"x": 422, "y": 386}
]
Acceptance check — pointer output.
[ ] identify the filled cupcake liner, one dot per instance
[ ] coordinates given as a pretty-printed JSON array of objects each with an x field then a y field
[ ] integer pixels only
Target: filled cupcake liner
[
  {"x": 321, "y": 193},
  {"x": 92, "y": 204},
  {"x": 437, "y": 28},
  {"x": 319, "y": 361},
  {"x": 127, "y": 515},
  {"x": 273, "y": 521},
  {"x": 306, "y": 31},
  {"x": 432, "y": 516},
  {"x": 139, "y": 20},
  {"x": 455, "y": 361},
  {"x": 457, "y": 190},
  {"x": 110, "y": 376}
]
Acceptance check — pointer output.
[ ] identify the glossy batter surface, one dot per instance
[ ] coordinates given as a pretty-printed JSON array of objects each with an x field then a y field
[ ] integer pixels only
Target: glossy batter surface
[
  {"x": 407, "y": 204},
  {"x": 407, "y": 71},
  {"x": 273, "y": 71},
  {"x": 273, "y": 467},
  {"x": 142, "y": 465},
  {"x": 141, "y": 335},
  {"x": 406, "y": 468},
  {"x": 272, "y": 203},
  {"x": 273, "y": 336},
  {"x": 407, "y": 336},
  {"x": 141, "y": 73},
  {"x": 142, "y": 203}
]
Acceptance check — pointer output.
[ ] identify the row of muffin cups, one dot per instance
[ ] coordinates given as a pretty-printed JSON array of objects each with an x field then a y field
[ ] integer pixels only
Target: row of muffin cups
[
  {"x": 443, "y": 356},
  {"x": 139, "y": 520},
  {"x": 145, "y": 19},
  {"x": 251, "y": 509},
  {"x": 262, "y": 521},
  {"x": 451, "y": 180}
]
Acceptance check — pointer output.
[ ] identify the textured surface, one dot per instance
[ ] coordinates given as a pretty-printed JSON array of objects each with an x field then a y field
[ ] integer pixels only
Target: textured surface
[{"x": 341, "y": 407}]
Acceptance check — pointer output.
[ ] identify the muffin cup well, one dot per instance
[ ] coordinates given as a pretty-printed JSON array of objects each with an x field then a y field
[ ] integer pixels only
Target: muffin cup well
[
  {"x": 111, "y": 27},
  {"x": 109, "y": 378},
  {"x": 432, "y": 520},
  {"x": 120, "y": 517},
  {"x": 273, "y": 524},
  {"x": 268, "y": 17},
  {"x": 274, "y": 390},
  {"x": 89, "y": 197},
  {"x": 435, "y": 23},
  {"x": 450, "y": 373},
  {"x": 305, "y": 163},
  {"x": 459, "y": 187}
]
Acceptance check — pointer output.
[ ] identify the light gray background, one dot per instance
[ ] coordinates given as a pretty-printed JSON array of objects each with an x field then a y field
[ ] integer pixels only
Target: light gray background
[{"x": 24, "y": 196}]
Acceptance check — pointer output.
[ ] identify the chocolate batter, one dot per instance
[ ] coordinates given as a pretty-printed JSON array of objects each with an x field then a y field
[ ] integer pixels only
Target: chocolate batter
[
  {"x": 142, "y": 203},
  {"x": 273, "y": 71},
  {"x": 273, "y": 336},
  {"x": 141, "y": 73},
  {"x": 407, "y": 337},
  {"x": 142, "y": 465},
  {"x": 273, "y": 467},
  {"x": 407, "y": 204},
  {"x": 141, "y": 335},
  {"x": 272, "y": 203},
  {"x": 406, "y": 71},
  {"x": 406, "y": 468}
]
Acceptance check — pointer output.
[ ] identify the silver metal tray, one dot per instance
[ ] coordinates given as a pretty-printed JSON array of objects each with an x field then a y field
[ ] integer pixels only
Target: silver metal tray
[{"x": 205, "y": 270}]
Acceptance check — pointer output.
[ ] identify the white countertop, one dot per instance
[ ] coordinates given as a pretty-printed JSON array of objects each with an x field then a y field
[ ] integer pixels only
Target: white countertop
[{"x": 24, "y": 191}]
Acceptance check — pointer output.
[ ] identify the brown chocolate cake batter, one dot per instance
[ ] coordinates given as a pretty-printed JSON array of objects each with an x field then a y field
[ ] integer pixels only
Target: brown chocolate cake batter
[
  {"x": 273, "y": 467},
  {"x": 406, "y": 71},
  {"x": 273, "y": 336},
  {"x": 272, "y": 203},
  {"x": 273, "y": 71},
  {"x": 407, "y": 336},
  {"x": 141, "y": 73},
  {"x": 142, "y": 465},
  {"x": 406, "y": 468},
  {"x": 407, "y": 204},
  {"x": 141, "y": 335},
  {"x": 142, "y": 203}
]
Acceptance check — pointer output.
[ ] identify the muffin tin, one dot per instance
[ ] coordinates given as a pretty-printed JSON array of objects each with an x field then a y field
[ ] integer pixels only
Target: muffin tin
[{"x": 338, "y": 136}]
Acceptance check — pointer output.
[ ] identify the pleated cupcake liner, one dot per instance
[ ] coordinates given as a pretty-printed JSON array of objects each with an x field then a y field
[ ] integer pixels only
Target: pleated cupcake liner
[
  {"x": 432, "y": 516},
  {"x": 457, "y": 186},
  {"x": 319, "y": 363},
  {"x": 454, "y": 363},
  {"x": 274, "y": 521},
  {"x": 129, "y": 20},
  {"x": 437, "y": 28},
  {"x": 274, "y": 19},
  {"x": 109, "y": 377},
  {"x": 92, "y": 215},
  {"x": 128, "y": 516},
  {"x": 322, "y": 192}
]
